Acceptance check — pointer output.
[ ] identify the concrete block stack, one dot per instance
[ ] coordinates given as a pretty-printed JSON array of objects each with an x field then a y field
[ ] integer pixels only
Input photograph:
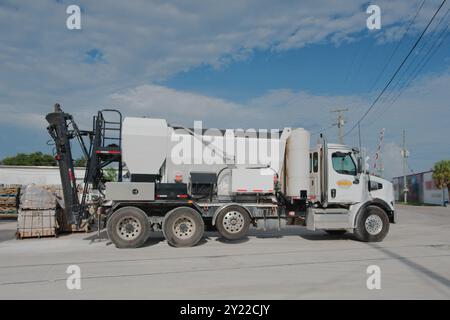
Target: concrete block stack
[{"x": 39, "y": 212}]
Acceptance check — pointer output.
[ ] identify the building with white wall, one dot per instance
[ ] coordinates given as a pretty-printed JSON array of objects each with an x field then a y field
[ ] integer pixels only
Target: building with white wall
[{"x": 40, "y": 175}]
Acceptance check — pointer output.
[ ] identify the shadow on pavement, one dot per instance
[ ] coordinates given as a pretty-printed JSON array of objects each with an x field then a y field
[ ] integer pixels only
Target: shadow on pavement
[
  {"x": 157, "y": 237},
  {"x": 413, "y": 265}
]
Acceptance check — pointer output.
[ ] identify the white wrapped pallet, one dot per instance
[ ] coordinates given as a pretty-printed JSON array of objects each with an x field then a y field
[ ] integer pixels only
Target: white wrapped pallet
[
  {"x": 37, "y": 197},
  {"x": 37, "y": 223}
]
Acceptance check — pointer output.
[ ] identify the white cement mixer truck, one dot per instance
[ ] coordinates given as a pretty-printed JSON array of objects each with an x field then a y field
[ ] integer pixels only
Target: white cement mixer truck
[{"x": 182, "y": 181}]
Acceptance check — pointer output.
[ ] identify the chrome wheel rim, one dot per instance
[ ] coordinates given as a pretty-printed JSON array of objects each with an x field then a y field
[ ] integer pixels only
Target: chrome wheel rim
[
  {"x": 374, "y": 225},
  {"x": 184, "y": 228},
  {"x": 233, "y": 221},
  {"x": 129, "y": 228}
]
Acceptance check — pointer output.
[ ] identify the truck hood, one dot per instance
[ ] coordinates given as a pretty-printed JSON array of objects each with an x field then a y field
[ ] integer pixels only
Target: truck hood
[{"x": 386, "y": 193}]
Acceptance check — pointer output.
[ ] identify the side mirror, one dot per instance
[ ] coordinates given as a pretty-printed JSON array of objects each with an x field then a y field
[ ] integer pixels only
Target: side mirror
[{"x": 360, "y": 165}]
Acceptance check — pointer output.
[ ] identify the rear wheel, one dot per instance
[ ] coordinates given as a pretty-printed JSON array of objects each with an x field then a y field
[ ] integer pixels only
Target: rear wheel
[
  {"x": 233, "y": 222},
  {"x": 183, "y": 227},
  {"x": 128, "y": 227},
  {"x": 372, "y": 224}
]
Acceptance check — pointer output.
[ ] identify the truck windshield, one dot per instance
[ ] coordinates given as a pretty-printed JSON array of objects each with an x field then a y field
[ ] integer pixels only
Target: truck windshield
[{"x": 343, "y": 163}]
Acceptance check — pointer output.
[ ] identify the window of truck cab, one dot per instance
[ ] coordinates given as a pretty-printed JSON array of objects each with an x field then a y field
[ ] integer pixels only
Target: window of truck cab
[{"x": 343, "y": 163}]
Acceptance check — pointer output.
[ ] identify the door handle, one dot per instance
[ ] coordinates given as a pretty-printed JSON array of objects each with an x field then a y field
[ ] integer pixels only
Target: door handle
[
  {"x": 356, "y": 181},
  {"x": 333, "y": 193}
]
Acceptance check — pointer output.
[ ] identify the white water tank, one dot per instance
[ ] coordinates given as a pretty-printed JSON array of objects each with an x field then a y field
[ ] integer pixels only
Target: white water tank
[{"x": 297, "y": 162}]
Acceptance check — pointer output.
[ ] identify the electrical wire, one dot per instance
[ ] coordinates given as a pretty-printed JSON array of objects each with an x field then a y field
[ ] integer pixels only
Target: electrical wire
[
  {"x": 397, "y": 70},
  {"x": 437, "y": 43},
  {"x": 398, "y": 85},
  {"x": 411, "y": 22}
]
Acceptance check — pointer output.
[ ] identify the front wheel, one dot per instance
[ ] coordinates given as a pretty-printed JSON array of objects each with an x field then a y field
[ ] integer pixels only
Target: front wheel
[{"x": 372, "y": 225}]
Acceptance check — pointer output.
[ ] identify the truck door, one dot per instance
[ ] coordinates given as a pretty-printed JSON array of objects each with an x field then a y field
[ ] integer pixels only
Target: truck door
[
  {"x": 314, "y": 183},
  {"x": 344, "y": 181}
]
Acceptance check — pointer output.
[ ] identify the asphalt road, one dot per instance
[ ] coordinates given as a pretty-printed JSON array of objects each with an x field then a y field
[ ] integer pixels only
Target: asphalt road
[{"x": 295, "y": 263}]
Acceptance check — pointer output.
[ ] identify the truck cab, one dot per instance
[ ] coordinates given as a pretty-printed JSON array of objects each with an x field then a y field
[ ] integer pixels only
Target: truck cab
[{"x": 345, "y": 196}]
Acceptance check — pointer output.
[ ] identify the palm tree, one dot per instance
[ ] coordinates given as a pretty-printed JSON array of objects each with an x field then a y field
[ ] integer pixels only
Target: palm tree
[{"x": 441, "y": 174}]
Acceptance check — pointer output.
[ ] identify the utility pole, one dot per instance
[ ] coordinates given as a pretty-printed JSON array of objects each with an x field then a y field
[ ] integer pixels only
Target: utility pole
[
  {"x": 340, "y": 123},
  {"x": 405, "y": 155},
  {"x": 378, "y": 164},
  {"x": 359, "y": 137}
]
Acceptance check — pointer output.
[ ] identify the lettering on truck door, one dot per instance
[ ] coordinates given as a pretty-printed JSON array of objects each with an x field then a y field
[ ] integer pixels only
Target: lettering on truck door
[{"x": 344, "y": 184}]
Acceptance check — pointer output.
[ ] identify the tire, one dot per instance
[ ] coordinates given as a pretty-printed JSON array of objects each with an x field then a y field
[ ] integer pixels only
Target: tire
[
  {"x": 372, "y": 225},
  {"x": 183, "y": 227},
  {"x": 128, "y": 227},
  {"x": 336, "y": 232},
  {"x": 233, "y": 222}
]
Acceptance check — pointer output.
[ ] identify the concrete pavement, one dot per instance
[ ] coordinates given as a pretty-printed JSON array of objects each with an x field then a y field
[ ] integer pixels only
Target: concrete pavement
[{"x": 294, "y": 263}]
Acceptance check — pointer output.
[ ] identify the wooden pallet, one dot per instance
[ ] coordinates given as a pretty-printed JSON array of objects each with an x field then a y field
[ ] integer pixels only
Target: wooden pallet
[
  {"x": 8, "y": 201},
  {"x": 8, "y": 209},
  {"x": 41, "y": 233},
  {"x": 9, "y": 191},
  {"x": 8, "y": 215}
]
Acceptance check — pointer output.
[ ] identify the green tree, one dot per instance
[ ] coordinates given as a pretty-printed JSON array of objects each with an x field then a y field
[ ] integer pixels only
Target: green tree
[
  {"x": 441, "y": 174},
  {"x": 109, "y": 175},
  {"x": 30, "y": 159},
  {"x": 80, "y": 162}
]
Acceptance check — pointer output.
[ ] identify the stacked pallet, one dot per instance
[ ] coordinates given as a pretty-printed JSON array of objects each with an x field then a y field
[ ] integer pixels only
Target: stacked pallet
[
  {"x": 39, "y": 212},
  {"x": 9, "y": 200}
]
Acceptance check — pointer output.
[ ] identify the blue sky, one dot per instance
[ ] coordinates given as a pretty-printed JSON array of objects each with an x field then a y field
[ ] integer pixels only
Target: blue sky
[
  {"x": 319, "y": 69},
  {"x": 261, "y": 64}
]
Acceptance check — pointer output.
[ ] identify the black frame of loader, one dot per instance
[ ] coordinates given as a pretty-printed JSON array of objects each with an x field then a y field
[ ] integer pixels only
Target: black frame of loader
[{"x": 63, "y": 128}]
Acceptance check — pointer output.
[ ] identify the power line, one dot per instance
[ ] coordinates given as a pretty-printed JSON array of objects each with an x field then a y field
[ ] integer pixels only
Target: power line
[
  {"x": 426, "y": 57},
  {"x": 419, "y": 67},
  {"x": 422, "y": 47},
  {"x": 397, "y": 70},
  {"x": 411, "y": 22}
]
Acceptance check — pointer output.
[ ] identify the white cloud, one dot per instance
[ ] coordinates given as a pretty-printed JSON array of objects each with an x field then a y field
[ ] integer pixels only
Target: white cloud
[
  {"x": 422, "y": 110},
  {"x": 142, "y": 42},
  {"x": 275, "y": 109},
  {"x": 152, "y": 40},
  {"x": 158, "y": 101}
]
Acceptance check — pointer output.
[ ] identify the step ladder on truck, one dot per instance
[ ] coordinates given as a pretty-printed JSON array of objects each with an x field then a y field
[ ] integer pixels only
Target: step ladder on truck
[{"x": 321, "y": 187}]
